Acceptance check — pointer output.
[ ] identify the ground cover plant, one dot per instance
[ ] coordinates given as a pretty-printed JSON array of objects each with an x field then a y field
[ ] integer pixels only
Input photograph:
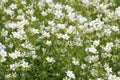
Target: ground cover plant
[{"x": 59, "y": 40}]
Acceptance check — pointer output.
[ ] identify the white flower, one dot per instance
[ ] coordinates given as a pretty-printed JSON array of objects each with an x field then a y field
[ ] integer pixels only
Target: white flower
[
  {"x": 33, "y": 18},
  {"x": 33, "y": 30},
  {"x": 48, "y": 42},
  {"x": 66, "y": 78},
  {"x": 105, "y": 55},
  {"x": 14, "y": 66},
  {"x": 44, "y": 13},
  {"x": 17, "y": 35},
  {"x": 11, "y": 25},
  {"x": 4, "y": 1},
  {"x": 46, "y": 34},
  {"x": 10, "y": 45},
  {"x": 51, "y": 23},
  {"x": 92, "y": 59},
  {"x": 65, "y": 36},
  {"x": 70, "y": 74},
  {"x": 83, "y": 66},
  {"x": 49, "y": 10},
  {"x": 3, "y": 59},
  {"x": 110, "y": 44},
  {"x": 108, "y": 47},
  {"x": 50, "y": 59},
  {"x": 13, "y": 6},
  {"x": 20, "y": 17},
  {"x": 115, "y": 28},
  {"x": 20, "y": 11},
  {"x": 61, "y": 26},
  {"x": 41, "y": 4},
  {"x": 69, "y": 8},
  {"x": 109, "y": 70},
  {"x": 27, "y": 45},
  {"x": 23, "y": 2},
  {"x": 117, "y": 11},
  {"x": 30, "y": 11},
  {"x": 8, "y": 75},
  {"x": 59, "y": 35},
  {"x": 13, "y": 75},
  {"x": 49, "y": 1},
  {"x": 93, "y": 72},
  {"x": 71, "y": 29},
  {"x": 3, "y": 53},
  {"x": 107, "y": 32},
  {"x": 75, "y": 62},
  {"x": 24, "y": 64},
  {"x": 58, "y": 13},
  {"x": 9, "y": 11},
  {"x": 4, "y": 32},
  {"x": 113, "y": 77},
  {"x": 92, "y": 49},
  {"x": 17, "y": 53},
  {"x": 2, "y": 47},
  {"x": 96, "y": 42},
  {"x": 81, "y": 19},
  {"x": 86, "y": 2},
  {"x": 13, "y": 55},
  {"x": 99, "y": 79},
  {"x": 58, "y": 6},
  {"x": 34, "y": 56},
  {"x": 71, "y": 16}
]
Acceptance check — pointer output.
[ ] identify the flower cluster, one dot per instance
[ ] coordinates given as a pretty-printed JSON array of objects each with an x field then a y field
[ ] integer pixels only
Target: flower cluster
[{"x": 59, "y": 40}]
